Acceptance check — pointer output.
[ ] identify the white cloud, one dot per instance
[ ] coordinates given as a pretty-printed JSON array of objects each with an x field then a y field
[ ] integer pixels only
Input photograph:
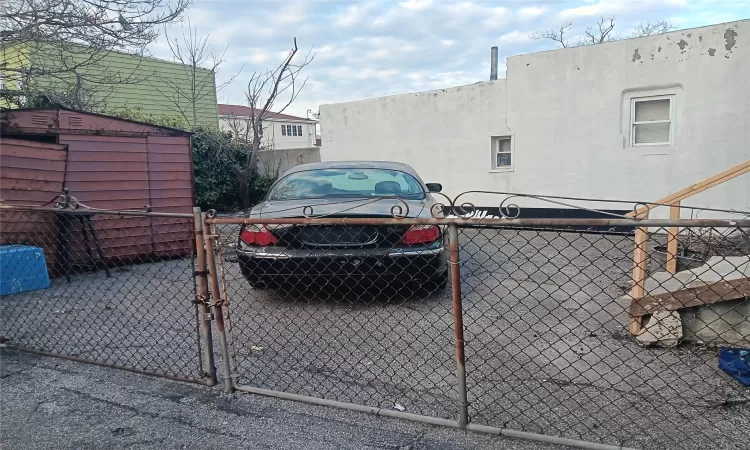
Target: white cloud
[
  {"x": 353, "y": 15},
  {"x": 416, "y": 5},
  {"x": 515, "y": 37},
  {"x": 530, "y": 13},
  {"x": 367, "y": 48},
  {"x": 600, "y": 8}
]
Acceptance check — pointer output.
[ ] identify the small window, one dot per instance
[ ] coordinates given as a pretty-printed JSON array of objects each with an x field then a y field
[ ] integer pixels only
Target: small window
[
  {"x": 502, "y": 153},
  {"x": 651, "y": 121},
  {"x": 294, "y": 130},
  {"x": 299, "y": 129},
  {"x": 283, "y": 130}
]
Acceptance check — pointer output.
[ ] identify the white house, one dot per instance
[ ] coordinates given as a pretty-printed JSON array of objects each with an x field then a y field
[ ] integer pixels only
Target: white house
[
  {"x": 280, "y": 131},
  {"x": 635, "y": 119}
]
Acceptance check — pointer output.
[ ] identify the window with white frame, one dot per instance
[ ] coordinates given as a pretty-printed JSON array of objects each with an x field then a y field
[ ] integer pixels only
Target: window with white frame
[
  {"x": 283, "y": 130},
  {"x": 502, "y": 153},
  {"x": 651, "y": 120}
]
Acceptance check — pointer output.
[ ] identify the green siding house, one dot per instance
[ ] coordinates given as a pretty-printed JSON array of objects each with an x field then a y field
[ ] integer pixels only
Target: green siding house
[{"x": 119, "y": 83}]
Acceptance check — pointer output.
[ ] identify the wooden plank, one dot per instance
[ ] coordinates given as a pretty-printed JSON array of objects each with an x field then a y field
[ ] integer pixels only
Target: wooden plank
[
  {"x": 102, "y": 185},
  {"x": 674, "y": 214},
  {"x": 32, "y": 152},
  {"x": 640, "y": 258},
  {"x": 109, "y": 177},
  {"x": 697, "y": 188},
  {"x": 689, "y": 297},
  {"x": 10, "y": 143},
  {"x": 35, "y": 175},
  {"x": 110, "y": 166},
  {"x": 106, "y": 157},
  {"x": 31, "y": 185},
  {"x": 21, "y": 162},
  {"x": 89, "y": 138}
]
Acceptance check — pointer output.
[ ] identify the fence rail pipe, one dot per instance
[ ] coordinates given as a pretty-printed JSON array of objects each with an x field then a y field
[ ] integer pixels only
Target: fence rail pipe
[
  {"x": 203, "y": 296},
  {"x": 217, "y": 302},
  {"x": 458, "y": 326}
]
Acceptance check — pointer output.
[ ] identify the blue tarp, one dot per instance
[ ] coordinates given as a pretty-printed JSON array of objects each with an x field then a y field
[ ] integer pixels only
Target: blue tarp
[{"x": 736, "y": 363}]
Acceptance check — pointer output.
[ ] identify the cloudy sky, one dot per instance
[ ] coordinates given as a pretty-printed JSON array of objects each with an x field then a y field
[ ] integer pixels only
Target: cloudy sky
[{"x": 369, "y": 49}]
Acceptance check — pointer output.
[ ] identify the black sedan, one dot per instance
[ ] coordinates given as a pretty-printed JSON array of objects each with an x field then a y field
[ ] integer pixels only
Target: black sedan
[{"x": 388, "y": 255}]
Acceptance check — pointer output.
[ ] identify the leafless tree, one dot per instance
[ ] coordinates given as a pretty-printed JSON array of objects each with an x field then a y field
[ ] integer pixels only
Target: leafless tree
[
  {"x": 264, "y": 91},
  {"x": 555, "y": 35},
  {"x": 601, "y": 33},
  {"x": 63, "y": 42},
  {"x": 649, "y": 28},
  {"x": 200, "y": 64}
]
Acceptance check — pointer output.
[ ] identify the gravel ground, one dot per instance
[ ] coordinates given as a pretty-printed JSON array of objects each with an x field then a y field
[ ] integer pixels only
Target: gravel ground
[
  {"x": 545, "y": 345},
  {"x": 52, "y": 403}
]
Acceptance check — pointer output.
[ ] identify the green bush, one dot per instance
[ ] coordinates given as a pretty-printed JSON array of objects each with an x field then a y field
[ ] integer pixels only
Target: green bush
[{"x": 214, "y": 157}]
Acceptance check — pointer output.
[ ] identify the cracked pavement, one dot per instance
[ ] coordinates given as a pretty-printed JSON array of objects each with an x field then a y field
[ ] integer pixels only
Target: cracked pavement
[{"x": 54, "y": 403}]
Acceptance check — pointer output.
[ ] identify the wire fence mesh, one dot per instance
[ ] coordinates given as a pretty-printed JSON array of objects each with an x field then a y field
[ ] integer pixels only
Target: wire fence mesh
[
  {"x": 112, "y": 289},
  {"x": 548, "y": 345},
  {"x": 368, "y": 321},
  {"x": 632, "y": 338},
  {"x": 330, "y": 311}
]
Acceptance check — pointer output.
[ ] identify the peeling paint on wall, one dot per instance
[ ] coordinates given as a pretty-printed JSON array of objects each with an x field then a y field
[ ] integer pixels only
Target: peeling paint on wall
[
  {"x": 659, "y": 49},
  {"x": 729, "y": 37},
  {"x": 682, "y": 44},
  {"x": 636, "y": 55},
  {"x": 711, "y": 51}
]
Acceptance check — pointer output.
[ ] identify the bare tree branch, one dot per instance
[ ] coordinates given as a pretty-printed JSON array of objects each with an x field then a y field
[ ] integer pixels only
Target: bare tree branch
[
  {"x": 264, "y": 89},
  {"x": 649, "y": 28},
  {"x": 603, "y": 33},
  {"x": 555, "y": 35},
  {"x": 63, "y": 43},
  {"x": 200, "y": 63}
]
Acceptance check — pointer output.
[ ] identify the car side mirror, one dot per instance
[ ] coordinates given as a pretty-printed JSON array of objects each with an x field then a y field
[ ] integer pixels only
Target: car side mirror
[{"x": 434, "y": 187}]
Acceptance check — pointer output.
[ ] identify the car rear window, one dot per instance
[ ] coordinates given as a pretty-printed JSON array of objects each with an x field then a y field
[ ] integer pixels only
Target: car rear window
[{"x": 325, "y": 183}]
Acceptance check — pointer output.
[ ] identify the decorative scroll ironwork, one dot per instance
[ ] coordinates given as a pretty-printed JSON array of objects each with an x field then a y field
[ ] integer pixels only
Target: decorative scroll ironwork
[{"x": 512, "y": 210}]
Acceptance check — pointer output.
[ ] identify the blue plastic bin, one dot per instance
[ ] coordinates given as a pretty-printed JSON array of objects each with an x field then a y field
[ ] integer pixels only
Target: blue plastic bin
[{"x": 22, "y": 268}]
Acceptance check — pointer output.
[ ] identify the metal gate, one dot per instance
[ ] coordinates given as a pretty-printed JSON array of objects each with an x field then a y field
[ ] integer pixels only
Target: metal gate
[
  {"x": 114, "y": 288},
  {"x": 532, "y": 337}
]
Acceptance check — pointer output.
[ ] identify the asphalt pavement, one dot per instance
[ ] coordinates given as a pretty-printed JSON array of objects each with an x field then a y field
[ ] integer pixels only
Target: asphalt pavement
[{"x": 53, "y": 403}]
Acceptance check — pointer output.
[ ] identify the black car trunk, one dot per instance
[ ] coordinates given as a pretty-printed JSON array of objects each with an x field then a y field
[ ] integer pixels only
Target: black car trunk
[{"x": 339, "y": 236}]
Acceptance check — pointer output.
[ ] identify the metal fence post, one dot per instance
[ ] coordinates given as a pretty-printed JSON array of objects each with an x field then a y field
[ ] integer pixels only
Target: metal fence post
[
  {"x": 218, "y": 304},
  {"x": 203, "y": 296},
  {"x": 458, "y": 325}
]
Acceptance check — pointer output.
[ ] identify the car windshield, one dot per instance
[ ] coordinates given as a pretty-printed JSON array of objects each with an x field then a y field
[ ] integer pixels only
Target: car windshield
[{"x": 325, "y": 183}]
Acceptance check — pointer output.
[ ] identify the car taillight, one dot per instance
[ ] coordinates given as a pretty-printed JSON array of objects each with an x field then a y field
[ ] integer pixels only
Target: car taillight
[
  {"x": 257, "y": 235},
  {"x": 420, "y": 234}
]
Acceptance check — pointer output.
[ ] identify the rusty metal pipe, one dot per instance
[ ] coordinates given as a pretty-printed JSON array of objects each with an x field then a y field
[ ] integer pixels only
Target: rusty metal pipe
[
  {"x": 94, "y": 211},
  {"x": 428, "y": 420},
  {"x": 218, "y": 306},
  {"x": 206, "y": 382},
  {"x": 505, "y": 223},
  {"x": 458, "y": 326},
  {"x": 203, "y": 296}
]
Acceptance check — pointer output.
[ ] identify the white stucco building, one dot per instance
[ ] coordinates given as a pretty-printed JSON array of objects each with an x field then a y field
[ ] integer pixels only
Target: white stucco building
[
  {"x": 634, "y": 119},
  {"x": 280, "y": 131}
]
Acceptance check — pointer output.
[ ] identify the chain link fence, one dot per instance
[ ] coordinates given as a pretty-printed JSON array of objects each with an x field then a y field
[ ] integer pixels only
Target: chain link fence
[
  {"x": 618, "y": 332},
  {"x": 353, "y": 312},
  {"x": 366, "y": 322},
  {"x": 111, "y": 288}
]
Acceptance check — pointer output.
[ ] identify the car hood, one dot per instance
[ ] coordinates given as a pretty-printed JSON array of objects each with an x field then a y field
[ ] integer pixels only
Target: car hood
[{"x": 346, "y": 207}]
